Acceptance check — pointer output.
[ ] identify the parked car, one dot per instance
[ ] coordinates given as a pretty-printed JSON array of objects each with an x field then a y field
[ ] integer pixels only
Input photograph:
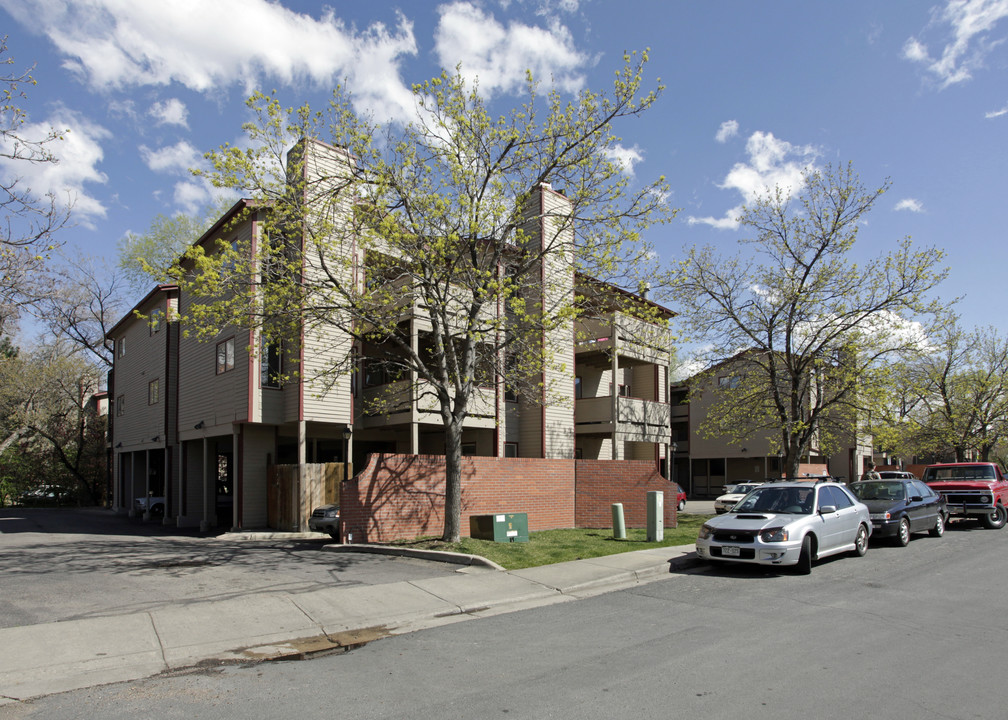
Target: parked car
[
  {"x": 155, "y": 503},
  {"x": 788, "y": 523},
  {"x": 896, "y": 475},
  {"x": 729, "y": 488},
  {"x": 972, "y": 490},
  {"x": 725, "y": 502},
  {"x": 325, "y": 518},
  {"x": 901, "y": 506},
  {"x": 680, "y": 497}
]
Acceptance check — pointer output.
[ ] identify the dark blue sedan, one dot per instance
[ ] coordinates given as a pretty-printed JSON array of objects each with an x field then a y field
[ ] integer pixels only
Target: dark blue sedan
[{"x": 900, "y": 507}]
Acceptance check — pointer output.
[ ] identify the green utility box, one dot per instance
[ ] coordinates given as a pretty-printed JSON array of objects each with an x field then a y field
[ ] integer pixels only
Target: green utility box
[{"x": 500, "y": 527}]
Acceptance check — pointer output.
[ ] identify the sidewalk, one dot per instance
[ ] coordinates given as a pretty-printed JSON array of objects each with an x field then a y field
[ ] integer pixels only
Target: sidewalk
[{"x": 57, "y": 657}]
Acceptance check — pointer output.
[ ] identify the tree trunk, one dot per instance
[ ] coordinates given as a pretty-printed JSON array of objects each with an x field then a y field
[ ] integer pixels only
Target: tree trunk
[{"x": 453, "y": 482}]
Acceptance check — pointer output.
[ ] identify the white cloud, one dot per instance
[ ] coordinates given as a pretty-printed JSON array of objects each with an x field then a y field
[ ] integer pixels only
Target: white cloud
[
  {"x": 728, "y": 129},
  {"x": 180, "y": 157},
  {"x": 627, "y": 158},
  {"x": 966, "y": 26},
  {"x": 191, "y": 194},
  {"x": 170, "y": 112},
  {"x": 910, "y": 204},
  {"x": 772, "y": 163},
  {"x": 499, "y": 55},
  {"x": 204, "y": 46},
  {"x": 996, "y": 113},
  {"x": 78, "y": 155}
]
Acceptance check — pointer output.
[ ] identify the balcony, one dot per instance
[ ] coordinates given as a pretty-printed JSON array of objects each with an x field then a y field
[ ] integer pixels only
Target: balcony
[
  {"x": 408, "y": 304},
  {"x": 636, "y": 420},
  {"x": 401, "y": 402},
  {"x": 627, "y": 337}
]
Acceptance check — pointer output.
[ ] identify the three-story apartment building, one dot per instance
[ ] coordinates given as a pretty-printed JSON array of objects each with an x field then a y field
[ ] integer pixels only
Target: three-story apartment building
[{"x": 199, "y": 422}]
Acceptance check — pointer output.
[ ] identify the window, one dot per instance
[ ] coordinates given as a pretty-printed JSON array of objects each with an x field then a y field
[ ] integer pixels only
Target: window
[
  {"x": 121, "y": 347},
  {"x": 468, "y": 449},
  {"x": 270, "y": 364},
  {"x": 153, "y": 391},
  {"x": 225, "y": 356},
  {"x": 510, "y": 449},
  {"x": 577, "y": 387},
  {"x": 729, "y": 381},
  {"x": 120, "y": 405},
  {"x": 624, "y": 391},
  {"x": 156, "y": 320}
]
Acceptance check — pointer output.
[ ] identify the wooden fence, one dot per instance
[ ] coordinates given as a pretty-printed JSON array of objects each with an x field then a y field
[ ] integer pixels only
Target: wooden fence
[{"x": 294, "y": 490}]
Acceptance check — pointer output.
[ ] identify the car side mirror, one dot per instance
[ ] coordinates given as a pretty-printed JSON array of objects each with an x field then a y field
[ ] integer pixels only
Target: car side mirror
[{"x": 827, "y": 509}]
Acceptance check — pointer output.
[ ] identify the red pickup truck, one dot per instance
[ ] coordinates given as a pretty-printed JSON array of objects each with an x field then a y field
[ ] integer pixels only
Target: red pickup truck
[{"x": 972, "y": 490}]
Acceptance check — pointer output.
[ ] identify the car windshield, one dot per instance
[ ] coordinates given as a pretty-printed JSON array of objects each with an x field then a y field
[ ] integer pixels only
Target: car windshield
[
  {"x": 878, "y": 490},
  {"x": 743, "y": 489},
  {"x": 793, "y": 500}
]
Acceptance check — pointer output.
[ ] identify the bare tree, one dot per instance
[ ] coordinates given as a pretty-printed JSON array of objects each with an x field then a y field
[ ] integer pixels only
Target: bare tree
[
  {"x": 953, "y": 399},
  {"x": 30, "y": 223},
  {"x": 819, "y": 333}
]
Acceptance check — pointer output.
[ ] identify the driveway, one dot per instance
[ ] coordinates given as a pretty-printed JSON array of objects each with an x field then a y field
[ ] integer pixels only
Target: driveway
[{"x": 68, "y": 563}]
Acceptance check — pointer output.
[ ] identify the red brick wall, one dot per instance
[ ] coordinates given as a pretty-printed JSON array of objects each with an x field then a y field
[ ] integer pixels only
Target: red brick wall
[
  {"x": 400, "y": 497},
  {"x": 600, "y": 483}
]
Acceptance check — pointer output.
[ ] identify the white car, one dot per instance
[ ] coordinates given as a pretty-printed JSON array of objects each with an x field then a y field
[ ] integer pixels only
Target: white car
[
  {"x": 726, "y": 502},
  {"x": 788, "y": 523},
  {"x": 154, "y": 504}
]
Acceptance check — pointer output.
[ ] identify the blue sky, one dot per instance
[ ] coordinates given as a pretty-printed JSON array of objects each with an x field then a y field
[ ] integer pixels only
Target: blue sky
[{"x": 754, "y": 93}]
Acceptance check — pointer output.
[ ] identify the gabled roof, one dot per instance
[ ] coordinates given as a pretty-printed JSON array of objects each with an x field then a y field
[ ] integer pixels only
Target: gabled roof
[{"x": 131, "y": 315}]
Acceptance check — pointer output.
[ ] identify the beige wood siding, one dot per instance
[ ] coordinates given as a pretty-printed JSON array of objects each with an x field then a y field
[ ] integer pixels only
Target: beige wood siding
[
  {"x": 257, "y": 448},
  {"x": 144, "y": 361},
  {"x": 217, "y": 400}
]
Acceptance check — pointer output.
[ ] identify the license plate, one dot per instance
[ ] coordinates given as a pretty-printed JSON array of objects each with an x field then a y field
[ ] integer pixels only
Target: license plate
[{"x": 731, "y": 551}]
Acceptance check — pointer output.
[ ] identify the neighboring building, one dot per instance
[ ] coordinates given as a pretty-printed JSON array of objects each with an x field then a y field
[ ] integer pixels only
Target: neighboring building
[{"x": 201, "y": 423}]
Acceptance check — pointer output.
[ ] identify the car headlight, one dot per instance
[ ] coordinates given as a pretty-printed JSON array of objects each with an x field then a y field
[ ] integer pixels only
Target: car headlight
[
  {"x": 985, "y": 498},
  {"x": 771, "y": 535},
  {"x": 706, "y": 531},
  {"x": 332, "y": 513}
]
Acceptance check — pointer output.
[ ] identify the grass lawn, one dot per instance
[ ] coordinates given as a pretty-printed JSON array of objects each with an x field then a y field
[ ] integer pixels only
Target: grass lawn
[{"x": 554, "y": 546}]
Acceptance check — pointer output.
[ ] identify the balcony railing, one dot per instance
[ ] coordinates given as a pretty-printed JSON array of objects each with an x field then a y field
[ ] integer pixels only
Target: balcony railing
[
  {"x": 627, "y": 336},
  {"x": 636, "y": 419},
  {"x": 386, "y": 404}
]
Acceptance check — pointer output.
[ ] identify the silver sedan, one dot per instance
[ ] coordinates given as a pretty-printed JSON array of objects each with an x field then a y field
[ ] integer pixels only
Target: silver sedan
[{"x": 788, "y": 523}]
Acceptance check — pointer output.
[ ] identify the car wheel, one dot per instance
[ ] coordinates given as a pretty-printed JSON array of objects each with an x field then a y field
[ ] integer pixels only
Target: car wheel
[
  {"x": 157, "y": 510},
  {"x": 861, "y": 540},
  {"x": 996, "y": 519},
  {"x": 334, "y": 534},
  {"x": 804, "y": 566},
  {"x": 939, "y": 527},
  {"x": 682, "y": 505},
  {"x": 903, "y": 536}
]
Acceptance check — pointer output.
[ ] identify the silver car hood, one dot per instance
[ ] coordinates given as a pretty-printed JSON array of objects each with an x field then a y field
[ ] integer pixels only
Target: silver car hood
[{"x": 752, "y": 521}]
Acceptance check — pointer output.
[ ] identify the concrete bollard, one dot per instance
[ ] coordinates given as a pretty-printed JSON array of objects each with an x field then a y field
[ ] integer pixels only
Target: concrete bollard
[
  {"x": 618, "y": 526},
  {"x": 655, "y": 516}
]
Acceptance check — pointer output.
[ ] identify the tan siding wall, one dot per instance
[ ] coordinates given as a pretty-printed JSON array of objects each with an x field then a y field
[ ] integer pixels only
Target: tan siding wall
[
  {"x": 559, "y": 288},
  {"x": 257, "y": 445},
  {"x": 143, "y": 362},
  {"x": 216, "y": 400},
  {"x": 325, "y": 348}
]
